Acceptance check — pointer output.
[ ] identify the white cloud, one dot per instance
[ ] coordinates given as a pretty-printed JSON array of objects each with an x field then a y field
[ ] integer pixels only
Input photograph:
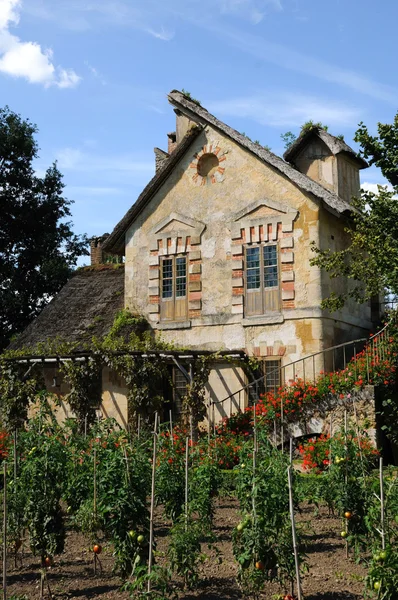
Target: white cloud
[
  {"x": 28, "y": 59},
  {"x": 288, "y": 109},
  {"x": 253, "y": 10},
  {"x": 291, "y": 59},
  {"x": 162, "y": 34},
  {"x": 374, "y": 187},
  {"x": 95, "y": 72},
  {"x": 74, "y": 159}
]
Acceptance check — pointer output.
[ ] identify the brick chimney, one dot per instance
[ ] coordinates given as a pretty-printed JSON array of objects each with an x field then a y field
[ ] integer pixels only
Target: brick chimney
[{"x": 97, "y": 255}]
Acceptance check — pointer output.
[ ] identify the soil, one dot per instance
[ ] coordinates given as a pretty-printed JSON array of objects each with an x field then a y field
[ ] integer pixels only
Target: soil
[{"x": 331, "y": 575}]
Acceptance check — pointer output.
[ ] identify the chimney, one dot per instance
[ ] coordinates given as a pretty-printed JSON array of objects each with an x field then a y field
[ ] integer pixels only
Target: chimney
[
  {"x": 183, "y": 125},
  {"x": 97, "y": 255},
  {"x": 172, "y": 142},
  {"x": 160, "y": 158}
]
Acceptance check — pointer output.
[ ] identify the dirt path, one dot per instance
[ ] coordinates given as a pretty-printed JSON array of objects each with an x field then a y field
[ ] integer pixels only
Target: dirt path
[{"x": 331, "y": 575}]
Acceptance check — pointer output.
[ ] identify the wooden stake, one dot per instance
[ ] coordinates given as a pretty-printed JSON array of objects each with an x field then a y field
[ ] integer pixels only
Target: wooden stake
[
  {"x": 171, "y": 427},
  {"x": 296, "y": 558},
  {"x": 15, "y": 457},
  {"x": 275, "y": 436},
  {"x": 139, "y": 426},
  {"x": 346, "y": 471},
  {"x": 254, "y": 461},
  {"x": 191, "y": 428},
  {"x": 282, "y": 425},
  {"x": 330, "y": 442},
  {"x": 95, "y": 501},
  {"x": 5, "y": 532},
  {"x": 186, "y": 481},
  {"x": 152, "y": 503},
  {"x": 291, "y": 450},
  {"x": 85, "y": 426},
  {"x": 382, "y": 532}
]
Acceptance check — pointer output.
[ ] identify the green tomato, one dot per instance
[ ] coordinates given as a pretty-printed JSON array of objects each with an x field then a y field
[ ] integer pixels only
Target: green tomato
[
  {"x": 132, "y": 534},
  {"x": 344, "y": 534},
  {"x": 240, "y": 527},
  {"x": 377, "y": 585},
  {"x": 383, "y": 555},
  {"x": 243, "y": 465},
  {"x": 140, "y": 539},
  {"x": 396, "y": 518}
]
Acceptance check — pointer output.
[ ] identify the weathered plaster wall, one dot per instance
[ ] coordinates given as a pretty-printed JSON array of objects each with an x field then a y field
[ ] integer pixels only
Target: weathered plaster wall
[
  {"x": 348, "y": 177},
  {"x": 215, "y": 318}
]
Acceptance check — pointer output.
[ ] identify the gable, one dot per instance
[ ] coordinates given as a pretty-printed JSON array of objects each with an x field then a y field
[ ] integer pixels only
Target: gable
[{"x": 263, "y": 215}]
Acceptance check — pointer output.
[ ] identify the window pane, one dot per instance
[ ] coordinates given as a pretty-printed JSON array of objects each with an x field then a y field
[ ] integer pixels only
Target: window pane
[
  {"x": 167, "y": 278},
  {"x": 181, "y": 286},
  {"x": 253, "y": 268},
  {"x": 270, "y": 267},
  {"x": 271, "y": 277},
  {"x": 181, "y": 266},
  {"x": 270, "y": 256},
  {"x": 252, "y": 258},
  {"x": 272, "y": 375}
]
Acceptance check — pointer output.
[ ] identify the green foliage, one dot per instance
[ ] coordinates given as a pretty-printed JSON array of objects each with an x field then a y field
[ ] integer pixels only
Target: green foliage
[
  {"x": 84, "y": 379},
  {"x": 308, "y": 125},
  {"x": 37, "y": 244},
  {"x": 382, "y": 149},
  {"x": 368, "y": 265},
  {"x": 19, "y": 387},
  {"x": 184, "y": 552},
  {"x": 188, "y": 95},
  {"x": 288, "y": 139},
  {"x": 262, "y": 541}
]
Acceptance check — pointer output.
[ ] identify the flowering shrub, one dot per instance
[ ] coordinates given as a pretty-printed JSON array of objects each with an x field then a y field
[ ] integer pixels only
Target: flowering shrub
[
  {"x": 375, "y": 365},
  {"x": 316, "y": 451}
]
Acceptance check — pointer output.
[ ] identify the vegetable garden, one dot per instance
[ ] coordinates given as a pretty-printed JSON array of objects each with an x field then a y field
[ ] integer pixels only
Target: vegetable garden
[{"x": 162, "y": 514}]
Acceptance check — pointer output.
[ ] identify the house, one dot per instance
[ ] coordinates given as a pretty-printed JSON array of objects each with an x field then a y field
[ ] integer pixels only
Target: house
[{"x": 217, "y": 250}]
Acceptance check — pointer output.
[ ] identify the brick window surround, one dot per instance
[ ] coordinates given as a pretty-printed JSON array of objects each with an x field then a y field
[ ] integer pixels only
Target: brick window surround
[
  {"x": 177, "y": 235},
  {"x": 261, "y": 223}
]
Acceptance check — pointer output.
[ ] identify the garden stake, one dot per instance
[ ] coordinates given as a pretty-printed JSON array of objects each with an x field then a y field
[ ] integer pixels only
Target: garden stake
[
  {"x": 382, "y": 532},
  {"x": 330, "y": 441},
  {"x": 186, "y": 481},
  {"x": 275, "y": 438},
  {"x": 296, "y": 558},
  {"x": 139, "y": 426},
  {"x": 254, "y": 461},
  {"x": 171, "y": 427},
  {"x": 282, "y": 429},
  {"x": 152, "y": 503},
  {"x": 214, "y": 421},
  {"x": 346, "y": 472},
  {"x": 85, "y": 426},
  {"x": 5, "y": 532},
  {"x": 95, "y": 502},
  {"x": 191, "y": 428},
  {"x": 291, "y": 450}
]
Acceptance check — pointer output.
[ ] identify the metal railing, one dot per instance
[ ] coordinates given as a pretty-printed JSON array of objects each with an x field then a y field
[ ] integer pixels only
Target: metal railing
[{"x": 308, "y": 369}]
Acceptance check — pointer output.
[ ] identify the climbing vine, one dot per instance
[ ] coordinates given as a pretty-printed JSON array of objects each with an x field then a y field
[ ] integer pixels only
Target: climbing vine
[{"x": 84, "y": 379}]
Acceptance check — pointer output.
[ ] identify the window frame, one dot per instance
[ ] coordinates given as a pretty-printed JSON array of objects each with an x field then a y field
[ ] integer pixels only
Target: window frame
[
  {"x": 268, "y": 297},
  {"x": 173, "y": 308}
]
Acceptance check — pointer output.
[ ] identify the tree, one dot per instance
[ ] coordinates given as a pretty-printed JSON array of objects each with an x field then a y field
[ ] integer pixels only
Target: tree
[
  {"x": 38, "y": 249},
  {"x": 370, "y": 261}
]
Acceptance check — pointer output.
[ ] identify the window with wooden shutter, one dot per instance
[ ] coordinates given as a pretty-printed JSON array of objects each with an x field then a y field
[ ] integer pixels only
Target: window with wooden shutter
[
  {"x": 173, "y": 291},
  {"x": 262, "y": 294}
]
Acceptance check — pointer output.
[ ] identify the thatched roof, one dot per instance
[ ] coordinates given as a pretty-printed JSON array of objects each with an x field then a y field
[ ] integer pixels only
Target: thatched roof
[
  {"x": 335, "y": 145},
  {"x": 85, "y": 307},
  {"x": 332, "y": 202}
]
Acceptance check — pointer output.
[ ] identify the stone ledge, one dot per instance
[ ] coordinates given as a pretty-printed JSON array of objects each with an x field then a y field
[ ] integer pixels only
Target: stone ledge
[
  {"x": 263, "y": 320},
  {"x": 174, "y": 325}
]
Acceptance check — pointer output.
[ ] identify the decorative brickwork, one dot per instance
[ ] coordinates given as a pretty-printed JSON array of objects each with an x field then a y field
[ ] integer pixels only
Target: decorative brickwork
[
  {"x": 264, "y": 221},
  {"x": 176, "y": 235}
]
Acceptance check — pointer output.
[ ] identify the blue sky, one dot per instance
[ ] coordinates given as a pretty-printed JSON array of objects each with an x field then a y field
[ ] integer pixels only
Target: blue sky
[{"x": 94, "y": 76}]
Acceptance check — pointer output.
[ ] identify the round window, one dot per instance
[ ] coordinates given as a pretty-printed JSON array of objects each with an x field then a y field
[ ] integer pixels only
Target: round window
[{"x": 207, "y": 164}]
